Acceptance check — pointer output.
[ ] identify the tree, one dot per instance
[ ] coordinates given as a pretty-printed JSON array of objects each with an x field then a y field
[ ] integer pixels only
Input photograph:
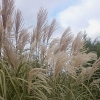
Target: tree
[{"x": 93, "y": 46}]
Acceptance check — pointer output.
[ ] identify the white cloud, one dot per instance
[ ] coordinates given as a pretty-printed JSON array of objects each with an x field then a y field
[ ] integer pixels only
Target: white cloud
[
  {"x": 80, "y": 14},
  {"x": 30, "y": 8},
  {"x": 85, "y": 15},
  {"x": 94, "y": 28}
]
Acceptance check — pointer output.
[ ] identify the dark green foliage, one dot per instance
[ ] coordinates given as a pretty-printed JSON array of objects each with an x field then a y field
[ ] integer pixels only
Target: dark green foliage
[{"x": 92, "y": 45}]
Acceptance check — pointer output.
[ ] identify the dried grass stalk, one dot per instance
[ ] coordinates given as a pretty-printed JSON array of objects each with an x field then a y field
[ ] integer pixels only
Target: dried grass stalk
[
  {"x": 7, "y": 10},
  {"x": 36, "y": 72}
]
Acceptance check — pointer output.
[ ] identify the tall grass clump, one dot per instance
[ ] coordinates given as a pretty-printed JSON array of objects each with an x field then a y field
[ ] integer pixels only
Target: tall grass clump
[{"x": 33, "y": 66}]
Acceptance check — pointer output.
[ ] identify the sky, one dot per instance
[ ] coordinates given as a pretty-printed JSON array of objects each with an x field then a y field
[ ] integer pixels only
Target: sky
[{"x": 80, "y": 15}]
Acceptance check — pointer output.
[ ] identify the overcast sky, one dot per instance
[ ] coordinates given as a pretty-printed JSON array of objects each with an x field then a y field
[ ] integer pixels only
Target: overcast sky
[{"x": 79, "y": 14}]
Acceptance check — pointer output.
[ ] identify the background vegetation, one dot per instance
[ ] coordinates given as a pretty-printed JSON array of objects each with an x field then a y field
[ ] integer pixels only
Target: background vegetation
[{"x": 35, "y": 67}]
